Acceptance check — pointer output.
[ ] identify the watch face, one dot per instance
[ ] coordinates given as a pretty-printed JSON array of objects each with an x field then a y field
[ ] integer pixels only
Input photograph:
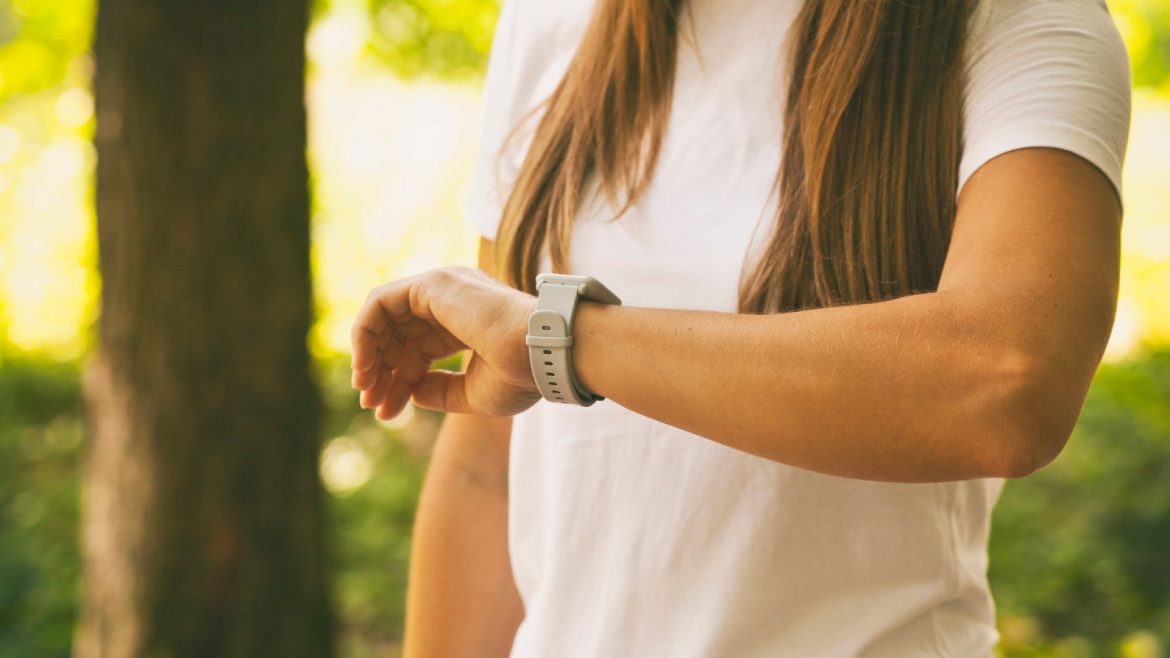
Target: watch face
[
  {"x": 568, "y": 279},
  {"x": 596, "y": 291},
  {"x": 587, "y": 286}
]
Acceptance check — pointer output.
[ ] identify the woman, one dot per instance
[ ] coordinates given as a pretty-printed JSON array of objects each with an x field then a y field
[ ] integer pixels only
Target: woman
[{"x": 868, "y": 254}]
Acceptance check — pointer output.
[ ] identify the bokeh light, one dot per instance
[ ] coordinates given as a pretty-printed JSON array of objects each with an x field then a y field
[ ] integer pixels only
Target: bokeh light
[{"x": 391, "y": 160}]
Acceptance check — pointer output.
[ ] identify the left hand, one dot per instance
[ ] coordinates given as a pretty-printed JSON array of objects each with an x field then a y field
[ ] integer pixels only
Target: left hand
[{"x": 407, "y": 324}]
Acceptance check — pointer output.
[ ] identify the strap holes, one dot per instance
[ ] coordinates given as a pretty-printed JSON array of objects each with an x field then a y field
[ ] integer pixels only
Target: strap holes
[
  {"x": 551, "y": 374},
  {"x": 546, "y": 327},
  {"x": 548, "y": 363},
  {"x": 557, "y": 393},
  {"x": 552, "y": 383},
  {"x": 547, "y": 351}
]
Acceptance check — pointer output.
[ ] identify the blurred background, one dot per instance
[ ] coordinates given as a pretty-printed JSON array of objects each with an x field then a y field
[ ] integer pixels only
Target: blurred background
[{"x": 1080, "y": 553}]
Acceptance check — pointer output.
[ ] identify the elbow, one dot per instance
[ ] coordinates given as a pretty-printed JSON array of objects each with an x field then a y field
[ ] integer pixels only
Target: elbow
[
  {"x": 1022, "y": 455},
  {"x": 1029, "y": 417}
]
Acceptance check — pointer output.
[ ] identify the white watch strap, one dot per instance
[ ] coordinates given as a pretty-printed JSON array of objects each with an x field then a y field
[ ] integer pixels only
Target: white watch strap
[{"x": 549, "y": 341}]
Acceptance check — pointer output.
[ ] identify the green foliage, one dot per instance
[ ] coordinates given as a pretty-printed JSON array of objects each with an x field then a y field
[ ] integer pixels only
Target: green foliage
[
  {"x": 446, "y": 37},
  {"x": 371, "y": 551},
  {"x": 370, "y": 526},
  {"x": 1146, "y": 27},
  {"x": 1079, "y": 551},
  {"x": 40, "y": 438},
  {"x": 40, "y": 40},
  {"x": 1079, "y": 559},
  {"x": 452, "y": 37}
]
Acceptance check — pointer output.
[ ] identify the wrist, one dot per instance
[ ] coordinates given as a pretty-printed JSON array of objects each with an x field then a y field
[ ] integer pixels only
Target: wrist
[
  {"x": 588, "y": 342},
  {"x": 552, "y": 332},
  {"x": 518, "y": 343}
]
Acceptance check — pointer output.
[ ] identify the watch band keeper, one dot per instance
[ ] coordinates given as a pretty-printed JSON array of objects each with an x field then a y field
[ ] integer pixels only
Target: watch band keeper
[{"x": 548, "y": 341}]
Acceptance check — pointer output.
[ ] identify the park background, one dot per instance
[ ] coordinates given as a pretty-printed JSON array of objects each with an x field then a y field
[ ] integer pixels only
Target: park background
[{"x": 1080, "y": 553}]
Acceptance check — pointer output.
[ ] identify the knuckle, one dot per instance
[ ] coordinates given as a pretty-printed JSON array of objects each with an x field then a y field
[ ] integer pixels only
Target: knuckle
[{"x": 356, "y": 329}]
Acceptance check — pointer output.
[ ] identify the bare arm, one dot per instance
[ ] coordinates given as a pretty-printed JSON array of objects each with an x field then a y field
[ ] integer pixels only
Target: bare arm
[
  {"x": 461, "y": 599},
  {"x": 984, "y": 377}
]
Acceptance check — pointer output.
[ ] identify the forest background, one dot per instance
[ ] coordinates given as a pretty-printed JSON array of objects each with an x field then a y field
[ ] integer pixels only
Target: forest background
[{"x": 1079, "y": 557}]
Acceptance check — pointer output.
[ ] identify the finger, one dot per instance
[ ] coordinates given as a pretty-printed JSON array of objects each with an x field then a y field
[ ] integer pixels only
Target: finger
[
  {"x": 388, "y": 357},
  {"x": 365, "y": 336},
  {"x": 414, "y": 328},
  {"x": 385, "y": 336},
  {"x": 391, "y": 407},
  {"x": 378, "y": 313},
  {"x": 373, "y": 396},
  {"x": 443, "y": 391},
  {"x": 364, "y": 379},
  {"x": 410, "y": 371},
  {"x": 439, "y": 344}
]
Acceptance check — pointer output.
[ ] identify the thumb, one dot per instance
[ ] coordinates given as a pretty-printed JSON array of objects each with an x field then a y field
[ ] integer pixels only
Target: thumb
[{"x": 442, "y": 390}]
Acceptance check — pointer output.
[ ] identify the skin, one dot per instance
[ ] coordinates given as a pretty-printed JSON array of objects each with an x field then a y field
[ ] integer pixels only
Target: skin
[
  {"x": 461, "y": 599},
  {"x": 984, "y": 377}
]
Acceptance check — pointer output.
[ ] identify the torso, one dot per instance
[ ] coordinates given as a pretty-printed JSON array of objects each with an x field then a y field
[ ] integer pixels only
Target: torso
[
  {"x": 632, "y": 538},
  {"x": 629, "y": 537}
]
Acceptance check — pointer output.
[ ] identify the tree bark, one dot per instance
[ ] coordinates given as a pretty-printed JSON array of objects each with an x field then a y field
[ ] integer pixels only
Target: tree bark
[{"x": 202, "y": 528}]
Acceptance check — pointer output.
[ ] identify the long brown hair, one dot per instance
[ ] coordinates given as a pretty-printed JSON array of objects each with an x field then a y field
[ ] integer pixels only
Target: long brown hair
[{"x": 872, "y": 140}]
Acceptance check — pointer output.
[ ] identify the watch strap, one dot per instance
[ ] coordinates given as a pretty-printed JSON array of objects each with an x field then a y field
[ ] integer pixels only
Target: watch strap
[{"x": 549, "y": 341}]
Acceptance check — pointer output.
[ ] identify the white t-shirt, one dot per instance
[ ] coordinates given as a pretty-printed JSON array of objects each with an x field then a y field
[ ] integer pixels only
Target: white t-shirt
[{"x": 632, "y": 538}]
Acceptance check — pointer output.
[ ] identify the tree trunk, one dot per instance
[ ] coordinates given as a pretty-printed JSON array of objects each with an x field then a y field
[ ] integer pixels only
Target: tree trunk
[{"x": 202, "y": 510}]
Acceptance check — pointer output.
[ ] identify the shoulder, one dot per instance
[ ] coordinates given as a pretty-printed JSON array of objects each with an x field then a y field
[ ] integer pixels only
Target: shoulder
[
  {"x": 541, "y": 29},
  {"x": 534, "y": 42},
  {"x": 1082, "y": 25},
  {"x": 1046, "y": 73},
  {"x": 533, "y": 45}
]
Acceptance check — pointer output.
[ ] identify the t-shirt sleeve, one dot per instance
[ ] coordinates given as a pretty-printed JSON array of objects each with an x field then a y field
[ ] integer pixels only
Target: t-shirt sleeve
[
  {"x": 501, "y": 111},
  {"x": 1046, "y": 73}
]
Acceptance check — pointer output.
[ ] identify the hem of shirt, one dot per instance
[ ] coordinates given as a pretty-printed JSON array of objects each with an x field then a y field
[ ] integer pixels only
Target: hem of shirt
[
  {"x": 1064, "y": 137},
  {"x": 945, "y": 507}
]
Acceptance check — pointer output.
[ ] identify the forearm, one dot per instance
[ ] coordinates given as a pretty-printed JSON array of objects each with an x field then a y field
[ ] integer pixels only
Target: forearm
[
  {"x": 461, "y": 599},
  {"x": 985, "y": 377},
  {"x": 913, "y": 389}
]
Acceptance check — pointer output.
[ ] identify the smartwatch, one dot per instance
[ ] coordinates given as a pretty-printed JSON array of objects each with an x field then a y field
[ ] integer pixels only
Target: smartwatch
[{"x": 550, "y": 335}]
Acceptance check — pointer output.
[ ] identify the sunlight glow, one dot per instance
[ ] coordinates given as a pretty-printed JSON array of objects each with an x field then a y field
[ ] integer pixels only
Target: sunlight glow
[
  {"x": 45, "y": 276},
  {"x": 337, "y": 39},
  {"x": 9, "y": 143},
  {"x": 392, "y": 162},
  {"x": 1145, "y": 236},
  {"x": 345, "y": 466},
  {"x": 1141, "y": 644},
  {"x": 1127, "y": 332},
  {"x": 74, "y": 107}
]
